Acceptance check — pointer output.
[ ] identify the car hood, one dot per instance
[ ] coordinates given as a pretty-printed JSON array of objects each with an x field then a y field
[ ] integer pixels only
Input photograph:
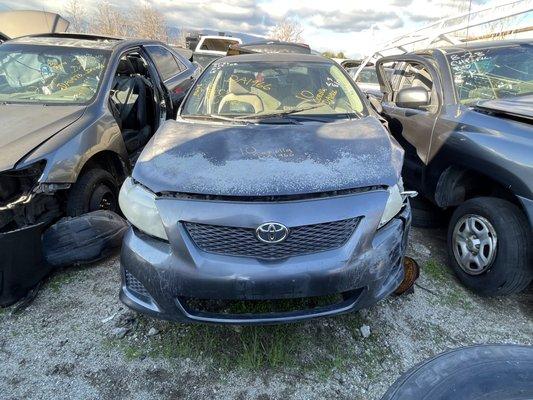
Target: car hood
[
  {"x": 519, "y": 106},
  {"x": 268, "y": 159},
  {"x": 26, "y": 126}
]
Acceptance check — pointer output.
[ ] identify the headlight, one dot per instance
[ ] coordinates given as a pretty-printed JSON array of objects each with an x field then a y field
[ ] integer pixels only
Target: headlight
[
  {"x": 393, "y": 206},
  {"x": 17, "y": 185},
  {"x": 138, "y": 206}
]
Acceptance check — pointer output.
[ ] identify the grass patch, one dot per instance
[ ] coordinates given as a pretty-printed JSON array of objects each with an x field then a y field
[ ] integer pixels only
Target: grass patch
[
  {"x": 249, "y": 347},
  {"x": 374, "y": 356},
  {"x": 436, "y": 271},
  {"x": 317, "y": 348},
  {"x": 59, "y": 279},
  {"x": 451, "y": 296},
  {"x": 456, "y": 298}
]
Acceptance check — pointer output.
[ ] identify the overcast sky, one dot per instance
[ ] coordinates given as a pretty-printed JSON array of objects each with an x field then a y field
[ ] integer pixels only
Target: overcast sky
[{"x": 353, "y": 26}]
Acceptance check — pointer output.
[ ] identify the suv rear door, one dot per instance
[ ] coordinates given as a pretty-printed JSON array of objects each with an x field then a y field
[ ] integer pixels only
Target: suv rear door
[{"x": 411, "y": 125}]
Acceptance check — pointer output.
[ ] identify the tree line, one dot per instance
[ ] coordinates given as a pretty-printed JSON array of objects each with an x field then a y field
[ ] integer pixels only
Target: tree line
[{"x": 147, "y": 22}]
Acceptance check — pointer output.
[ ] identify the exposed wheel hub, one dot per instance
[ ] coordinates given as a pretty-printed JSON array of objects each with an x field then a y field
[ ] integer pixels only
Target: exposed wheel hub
[
  {"x": 103, "y": 198},
  {"x": 474, "y": 243}
]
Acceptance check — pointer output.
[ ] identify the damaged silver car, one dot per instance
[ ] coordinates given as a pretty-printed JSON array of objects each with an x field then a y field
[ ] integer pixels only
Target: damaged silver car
[
  {"x": 75, "y": 111},
  {"x": 274, "y": 197}
]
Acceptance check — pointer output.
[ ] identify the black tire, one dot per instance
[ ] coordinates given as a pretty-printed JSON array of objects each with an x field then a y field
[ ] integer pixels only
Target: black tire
[
  {"x": 425, "y": 214},
  {"x": 511, "y": 270},
  {"x": 85, "y": 239},
  {"x": 483, "y": 372},
  {"x": 85, "y": 193}
]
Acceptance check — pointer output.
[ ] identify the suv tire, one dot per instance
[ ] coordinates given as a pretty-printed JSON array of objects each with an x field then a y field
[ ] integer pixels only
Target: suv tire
[
  {"x": 489, "y": 246},
  {"x": 425, "y": 214},
  {"x": 95, "y": 189}
]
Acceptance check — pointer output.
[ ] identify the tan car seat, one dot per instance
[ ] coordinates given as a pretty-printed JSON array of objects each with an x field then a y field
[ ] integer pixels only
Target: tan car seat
[{"x": 238, "y": 93}]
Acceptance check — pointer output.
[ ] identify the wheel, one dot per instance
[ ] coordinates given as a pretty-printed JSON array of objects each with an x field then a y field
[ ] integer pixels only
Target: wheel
[
  {"x": 425, "y": 214},
  {"x": 488, "y": 372},
  {"x": 95, "y": 189},
  {"x": 84, "y": 239},
  {"x": 489, "y": 246}
]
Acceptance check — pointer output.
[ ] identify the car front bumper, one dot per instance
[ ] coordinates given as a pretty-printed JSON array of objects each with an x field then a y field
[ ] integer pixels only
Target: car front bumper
[{"x": 157, "y": 276}]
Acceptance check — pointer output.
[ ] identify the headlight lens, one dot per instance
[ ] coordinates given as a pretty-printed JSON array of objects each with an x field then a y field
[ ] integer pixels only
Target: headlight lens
[
  {"x": 138, "y": 205},
  {"x": 393, "y": 206}
]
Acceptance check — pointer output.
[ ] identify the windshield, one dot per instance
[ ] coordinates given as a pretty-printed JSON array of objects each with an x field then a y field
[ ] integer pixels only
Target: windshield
[
  {"x": 367, "y": 75},
  {"x": 493, "y": 73},
  {"x": 45, "y": 74},
  {"x": 252, "y": 89},
  {"x": 217, "y": 44}
]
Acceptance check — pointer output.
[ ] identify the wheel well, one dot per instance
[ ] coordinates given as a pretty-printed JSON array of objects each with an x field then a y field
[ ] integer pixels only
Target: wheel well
[
  {"x": 456, "y": 185},
  {"x": 110, "y": 162}
]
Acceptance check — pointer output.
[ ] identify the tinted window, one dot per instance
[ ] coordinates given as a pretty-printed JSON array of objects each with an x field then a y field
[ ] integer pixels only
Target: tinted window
[
  {"x": 217, "y": 44},
  {"x": 164, "y": 60}
]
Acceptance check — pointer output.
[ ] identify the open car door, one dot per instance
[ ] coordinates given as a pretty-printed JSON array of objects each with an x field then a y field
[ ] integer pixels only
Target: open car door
[
  {"x": 177, "y": 73},
  {"x": 411, "y": 104}
]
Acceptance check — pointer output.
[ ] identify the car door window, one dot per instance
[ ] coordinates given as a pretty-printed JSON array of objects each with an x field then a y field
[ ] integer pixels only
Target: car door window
[
  {"x": 417, "y": 75},
  {"x": 164, "y": 61},
  {"x": 181, "y": 67}
]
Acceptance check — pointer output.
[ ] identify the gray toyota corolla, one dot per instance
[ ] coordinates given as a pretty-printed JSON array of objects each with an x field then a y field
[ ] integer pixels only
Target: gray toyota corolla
[{"x": 274, "y": 197}]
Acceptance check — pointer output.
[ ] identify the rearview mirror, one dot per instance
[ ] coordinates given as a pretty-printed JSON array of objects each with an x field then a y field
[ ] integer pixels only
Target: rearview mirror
[{"x": 414, "y": 97}]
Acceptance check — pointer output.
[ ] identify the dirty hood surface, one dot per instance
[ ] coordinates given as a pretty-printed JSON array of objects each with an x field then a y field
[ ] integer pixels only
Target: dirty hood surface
[
  {"x": 268, "y": 159},
  {"x": 519, "y": 106},
  {"x": 23, "y": 127}
]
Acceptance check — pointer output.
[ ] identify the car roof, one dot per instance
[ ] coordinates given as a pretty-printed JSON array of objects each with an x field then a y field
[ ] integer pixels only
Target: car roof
[
  {"x": 81, "y": 41},
  {"x": 273, "y": 57},
  {"x": 483, "y": 45}
]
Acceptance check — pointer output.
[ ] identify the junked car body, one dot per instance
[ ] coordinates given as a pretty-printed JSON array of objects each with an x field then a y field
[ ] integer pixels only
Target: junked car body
[
  {"x": 464, "y": 117},
  {"x": 367, "y": 80},
  {"x": 75, "y": 111},
  {"x": 268, "y": 46},
  {"x": 207, "y": 48},
  {"x": 277, "y": 183},
  {"x": 16, "y": 23}
]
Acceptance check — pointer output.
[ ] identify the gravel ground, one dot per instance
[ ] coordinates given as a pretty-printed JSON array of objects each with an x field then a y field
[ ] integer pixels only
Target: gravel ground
[{"x": 77, "y": 341}]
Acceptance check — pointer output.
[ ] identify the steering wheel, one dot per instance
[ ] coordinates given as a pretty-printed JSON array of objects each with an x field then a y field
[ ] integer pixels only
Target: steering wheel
[{"x": 307, "y": 102}]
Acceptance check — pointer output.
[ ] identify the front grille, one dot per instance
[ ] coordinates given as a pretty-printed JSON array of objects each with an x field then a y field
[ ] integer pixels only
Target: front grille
[
  {"x": 305, "y": 239},
  {"x": 134, "y": 285}
]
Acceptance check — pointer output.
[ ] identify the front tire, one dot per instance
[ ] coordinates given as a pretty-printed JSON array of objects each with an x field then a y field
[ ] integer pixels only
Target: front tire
[
  {"x": 96, "y": 189},
  {"x": 489, "y": 246}
]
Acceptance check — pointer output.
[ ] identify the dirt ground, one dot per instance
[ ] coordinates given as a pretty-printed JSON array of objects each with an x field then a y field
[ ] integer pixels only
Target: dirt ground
[{"x": 77, "y": 341}]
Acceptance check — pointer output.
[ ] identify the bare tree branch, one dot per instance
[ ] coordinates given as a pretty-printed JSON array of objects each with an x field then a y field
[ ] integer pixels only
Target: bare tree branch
[
  {"x": 149, "y": 23},
  {"x": 288, "y": 30},
  {"x": 109, "y": 20},
  {"x": 74, "y": 13}
]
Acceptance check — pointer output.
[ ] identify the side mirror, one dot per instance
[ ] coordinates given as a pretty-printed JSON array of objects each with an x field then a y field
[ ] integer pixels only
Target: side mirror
[{"x": 414, "y": 97}]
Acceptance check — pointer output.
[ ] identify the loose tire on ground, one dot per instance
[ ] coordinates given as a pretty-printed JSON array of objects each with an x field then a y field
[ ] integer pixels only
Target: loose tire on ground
[
  {"x": 85, "y": 193},
  {"x": 483, "y": 372},
  {"x": 84, "y": 239},
  {"x": 511, "y": 269}
]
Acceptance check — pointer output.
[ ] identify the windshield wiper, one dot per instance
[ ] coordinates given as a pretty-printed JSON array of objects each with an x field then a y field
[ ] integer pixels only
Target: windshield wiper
[
  {"x": 278, "y": 114},
  {"x": 209, "y": 116}
]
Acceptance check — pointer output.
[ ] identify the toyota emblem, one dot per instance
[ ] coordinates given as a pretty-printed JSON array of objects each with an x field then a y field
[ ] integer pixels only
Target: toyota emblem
[{"x": 272, "y": 232}]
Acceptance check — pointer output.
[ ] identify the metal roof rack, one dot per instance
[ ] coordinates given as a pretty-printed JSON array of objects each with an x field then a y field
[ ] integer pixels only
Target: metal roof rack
[{"x": 447, "y": 29}]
